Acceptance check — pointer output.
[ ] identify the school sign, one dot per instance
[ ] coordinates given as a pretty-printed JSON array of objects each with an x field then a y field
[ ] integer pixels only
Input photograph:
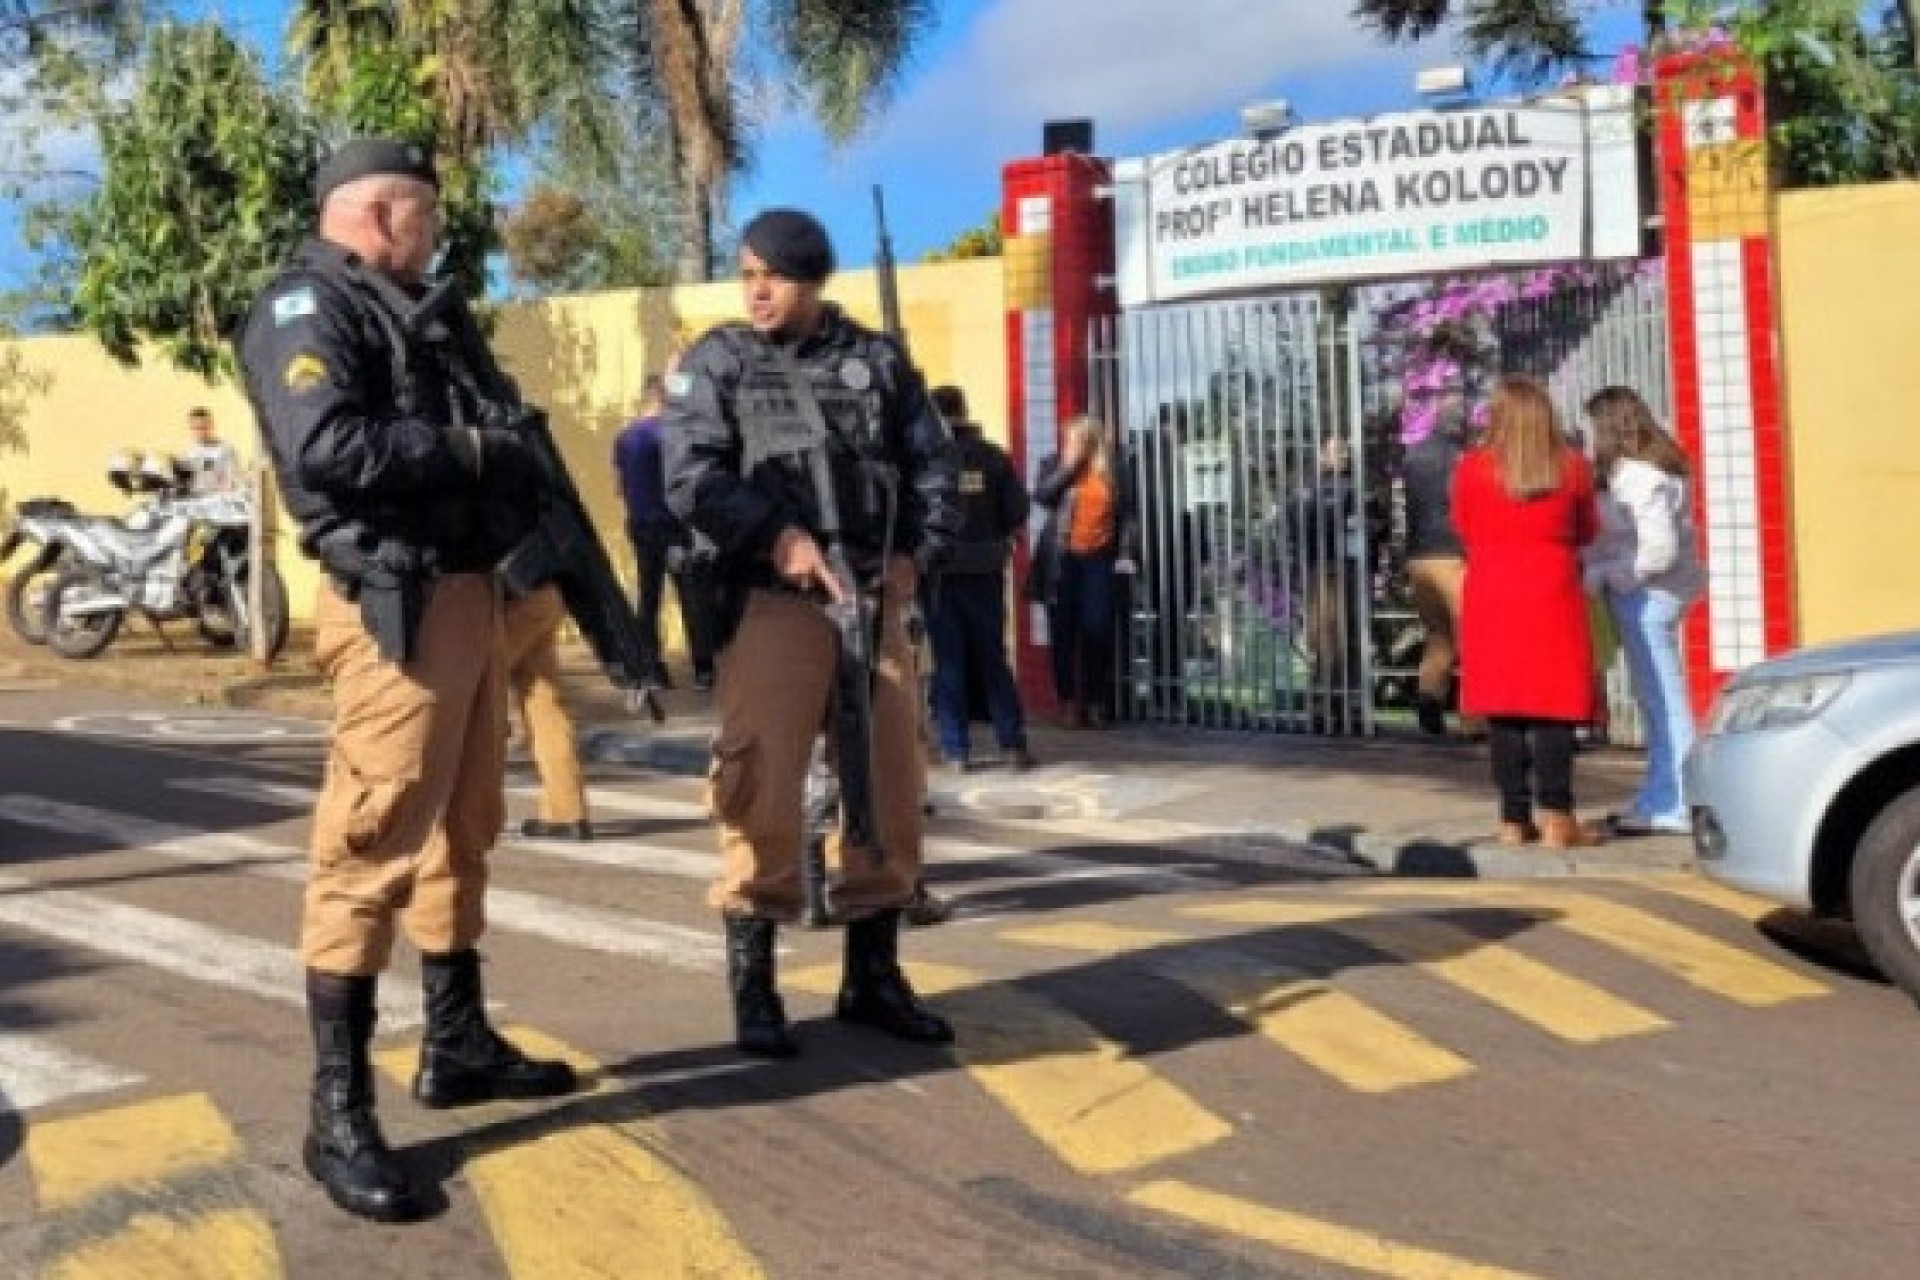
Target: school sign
[{"x": 1421, "y": 193}]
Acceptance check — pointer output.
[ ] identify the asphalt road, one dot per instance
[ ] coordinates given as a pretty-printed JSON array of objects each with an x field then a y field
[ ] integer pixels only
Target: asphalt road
[{"x": 1173, "y": 1061}]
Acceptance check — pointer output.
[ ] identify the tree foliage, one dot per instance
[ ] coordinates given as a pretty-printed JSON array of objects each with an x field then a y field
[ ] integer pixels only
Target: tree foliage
[
  {"x": 208, "y": 171},
  {"x": 983, "y": 241},
  {"x": 1530, "y": 40},
  {"x": 840, "y": 58},
  {"x": 1843, "y": 102}
]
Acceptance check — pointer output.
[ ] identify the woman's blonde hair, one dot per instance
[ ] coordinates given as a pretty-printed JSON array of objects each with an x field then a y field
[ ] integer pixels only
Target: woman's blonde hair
[
  {"x": 1097, "y": 437},
  {"x": 1624, "y": 427},
  {"x": 1523, "y": 433}
]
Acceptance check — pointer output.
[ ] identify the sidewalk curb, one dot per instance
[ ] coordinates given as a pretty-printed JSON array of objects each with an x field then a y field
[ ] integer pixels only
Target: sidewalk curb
[
  {"x": 1414, "y": 857},
  {"x": 1428, "y": 857}
]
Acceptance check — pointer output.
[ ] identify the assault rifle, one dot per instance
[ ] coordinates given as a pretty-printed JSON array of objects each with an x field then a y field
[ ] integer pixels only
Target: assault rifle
[
  {"x": 856, "y": 619},
  {"x": 562, "y": 548}
]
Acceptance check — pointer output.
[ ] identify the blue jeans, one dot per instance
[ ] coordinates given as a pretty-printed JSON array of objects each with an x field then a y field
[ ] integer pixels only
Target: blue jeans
[
  {"x": 1080, "y": 626},
  {"x": 1648, "y": 621},
  {"x": 968, "y": 626}
]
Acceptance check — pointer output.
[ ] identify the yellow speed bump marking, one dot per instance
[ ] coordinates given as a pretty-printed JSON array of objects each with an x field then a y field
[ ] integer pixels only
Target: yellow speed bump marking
[
  {"x": 1095, "y": 1107},
  {"x": 148, "y": 1143},
  {"x": 1560, "y": 1005},
  {"x": 1745, "y": 906},
  {"x": 150, "y": 1152},
  {"x": 1092, "y": 936},
  {"x": 1328, "y": 1029},
  {"x": 1689, "y": 955},
  {"x": 224, "y": 1245},
  {"x": 1295, "y": 1233},
  {"x": 593, "y": 1200}
]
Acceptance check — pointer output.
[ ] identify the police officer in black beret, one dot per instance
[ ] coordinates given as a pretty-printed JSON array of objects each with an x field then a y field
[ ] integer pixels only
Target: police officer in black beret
[
  {"x": 408, "y": 499},
  {"x": 734, "y": 473}
]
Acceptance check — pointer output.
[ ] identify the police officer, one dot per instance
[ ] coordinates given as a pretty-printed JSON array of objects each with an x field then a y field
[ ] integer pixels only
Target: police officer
[
  {"x": 737, "y": 471},
  {"x": 967, "y": 620},
  {"x": 407, "y": 500},
  {"x": 531, "y": 636}
]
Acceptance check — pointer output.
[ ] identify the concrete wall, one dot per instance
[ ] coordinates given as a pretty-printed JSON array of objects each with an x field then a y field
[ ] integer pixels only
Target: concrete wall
[
  {"x": 583, "y": 357},
  {"x": 1850, "y": 329}
]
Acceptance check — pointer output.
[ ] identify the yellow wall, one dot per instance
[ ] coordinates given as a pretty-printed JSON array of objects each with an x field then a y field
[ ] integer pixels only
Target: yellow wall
[
  {"x": 1850, "y": 291},
  {"x": 584, "y": 358}
]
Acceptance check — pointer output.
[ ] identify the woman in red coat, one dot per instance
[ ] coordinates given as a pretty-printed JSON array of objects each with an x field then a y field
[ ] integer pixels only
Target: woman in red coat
[{"x": 1523, "y": 505}]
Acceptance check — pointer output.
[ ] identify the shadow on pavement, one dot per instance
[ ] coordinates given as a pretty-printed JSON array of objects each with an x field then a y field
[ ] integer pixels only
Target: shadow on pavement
[{"x": 1137, "y": 1001}]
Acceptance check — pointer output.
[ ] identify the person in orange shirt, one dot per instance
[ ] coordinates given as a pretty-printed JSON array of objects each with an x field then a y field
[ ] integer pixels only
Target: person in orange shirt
[{"x": 1086, "y": 545}]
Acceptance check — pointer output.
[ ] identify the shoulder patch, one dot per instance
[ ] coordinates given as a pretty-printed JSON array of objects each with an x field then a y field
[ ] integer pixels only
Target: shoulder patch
[
  {"x": 292, "y": 306},
  {"x": 679, "y": 384},
  {"x": 304, "y": 372}
]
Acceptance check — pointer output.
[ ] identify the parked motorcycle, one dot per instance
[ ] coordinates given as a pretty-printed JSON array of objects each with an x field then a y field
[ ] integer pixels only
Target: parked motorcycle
[
  {"x": 184, "y": 557},
  {"x": 39, "y": 523}
]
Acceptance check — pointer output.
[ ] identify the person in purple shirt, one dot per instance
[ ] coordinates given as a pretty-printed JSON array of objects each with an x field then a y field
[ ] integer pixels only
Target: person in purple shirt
[{"x": 662, "y": 546}]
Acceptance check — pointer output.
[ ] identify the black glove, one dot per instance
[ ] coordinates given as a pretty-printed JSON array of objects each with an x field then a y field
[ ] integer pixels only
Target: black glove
[{"x": 496, "y": 457}]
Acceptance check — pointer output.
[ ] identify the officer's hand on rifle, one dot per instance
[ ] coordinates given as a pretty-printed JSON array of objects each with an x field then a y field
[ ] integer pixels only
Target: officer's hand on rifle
[
  {"x": 494, "y": 455},
  {"x": 798, "y": 560},
  {"x": 903, "y": 578}
]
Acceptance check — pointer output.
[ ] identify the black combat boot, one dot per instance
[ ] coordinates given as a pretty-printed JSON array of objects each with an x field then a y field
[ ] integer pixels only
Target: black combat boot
[
  {"x": 875, "y": 993},
  {"x": 759, "y": 1016},
  {"x": 462, "y": 1058},
  {"x": 344, "y": 1150}
]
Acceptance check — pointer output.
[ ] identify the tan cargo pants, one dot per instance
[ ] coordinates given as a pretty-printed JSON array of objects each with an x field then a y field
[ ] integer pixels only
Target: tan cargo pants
[
  {"x": 533, "y": 676},
  {"x": 414, "y": 792},
  {"x": 1436, "y": 583},
  {"x": 773, "y": 689}
]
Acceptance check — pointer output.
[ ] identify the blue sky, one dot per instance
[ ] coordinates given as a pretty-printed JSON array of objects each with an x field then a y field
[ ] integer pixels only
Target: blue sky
[{"x": 1151, "y": 74}]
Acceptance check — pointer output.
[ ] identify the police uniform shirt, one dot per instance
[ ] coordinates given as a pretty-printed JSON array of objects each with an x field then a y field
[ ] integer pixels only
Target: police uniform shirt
[
  {"x": 348, "y": 443},
  {"x": 737, "y": 435}
]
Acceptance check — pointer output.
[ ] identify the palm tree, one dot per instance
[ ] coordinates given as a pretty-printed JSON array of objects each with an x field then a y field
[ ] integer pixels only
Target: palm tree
[
  {"x": 845, "y": 56},
  {"x": 1530, "y": 39}
]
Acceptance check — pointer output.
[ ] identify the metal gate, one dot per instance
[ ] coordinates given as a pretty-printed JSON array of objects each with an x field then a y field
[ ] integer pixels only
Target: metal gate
[{"x": 1265, "y": 437}]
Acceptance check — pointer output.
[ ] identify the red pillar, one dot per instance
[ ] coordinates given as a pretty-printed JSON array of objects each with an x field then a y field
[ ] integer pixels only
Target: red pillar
[
  {"x": 1058, "y": 256},
  {"x": 1717, "y": 199}
]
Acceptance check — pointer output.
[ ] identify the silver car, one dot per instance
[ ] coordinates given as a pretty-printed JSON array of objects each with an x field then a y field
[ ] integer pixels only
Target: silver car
[{"x": 1805, "y": 789}]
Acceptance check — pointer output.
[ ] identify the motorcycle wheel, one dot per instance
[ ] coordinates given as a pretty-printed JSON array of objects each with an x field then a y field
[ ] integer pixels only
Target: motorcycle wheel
[
  {"x": 28, "y": 593},
  {"x": 78, "y": 637},
  {"x": 233, "y": 604}
]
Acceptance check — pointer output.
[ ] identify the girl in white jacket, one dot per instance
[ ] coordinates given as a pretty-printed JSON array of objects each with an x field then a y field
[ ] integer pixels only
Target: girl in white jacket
[{"x": 1646, "y": 565}]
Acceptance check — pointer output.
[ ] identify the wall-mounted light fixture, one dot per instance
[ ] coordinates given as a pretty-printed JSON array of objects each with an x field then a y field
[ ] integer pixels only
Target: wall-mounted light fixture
[
  {"x": 1445, "y": 84},
  {"x": 1266, "y": 119}
]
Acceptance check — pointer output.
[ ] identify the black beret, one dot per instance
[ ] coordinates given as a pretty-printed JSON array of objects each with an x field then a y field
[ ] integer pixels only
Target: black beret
[
  {"x": 793, "y": 244},
  {"x": 365, "y": 157}
]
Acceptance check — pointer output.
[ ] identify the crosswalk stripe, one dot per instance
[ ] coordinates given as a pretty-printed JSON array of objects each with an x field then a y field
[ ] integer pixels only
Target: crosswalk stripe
[
  {"x": 627, "y": 854},
  {"x": 1085, "y": 1097},
  {"x": 594, "y": 928},
  {"x": 146, "y": 1142},
  {"x": 1333, "y": 1032},
  {"x": 1348, "y": 1040},
  {"x": 301, "y": 796},
  {"x": 1691, "y": 956},
  {"x": 1296, "y": 1233},
  {"x": 594, "y": 1200},
  {"x": 150, "y": 1152},
  {"x": 1561, "y": 1005},
  {"x": 1743, "y": 906},
  {"x": 34, "y": 1072},
  {"x": 169, "y": 944},
  {"x": 1090, "y": 935}
]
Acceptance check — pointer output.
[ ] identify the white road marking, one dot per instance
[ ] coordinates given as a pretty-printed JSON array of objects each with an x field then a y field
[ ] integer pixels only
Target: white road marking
[
  {"x": 597, "y": 929},
  {"x": 172, "y": 945},
  {"x": 34, "y": 1072}
]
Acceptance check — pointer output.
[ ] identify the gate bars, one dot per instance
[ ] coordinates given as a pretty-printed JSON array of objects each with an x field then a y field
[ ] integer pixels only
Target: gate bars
[{"x": 1265, "y": 438}]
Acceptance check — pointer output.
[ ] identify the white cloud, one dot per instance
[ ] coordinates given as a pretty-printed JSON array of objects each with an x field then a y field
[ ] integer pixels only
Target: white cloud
[{"x": 1126, "y": 64}]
